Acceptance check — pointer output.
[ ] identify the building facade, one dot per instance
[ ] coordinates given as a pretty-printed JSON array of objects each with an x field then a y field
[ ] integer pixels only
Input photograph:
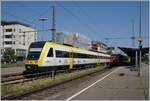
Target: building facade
[
  {"x": 59, "y": 37},
  {"x": 99, "y": 46},
  {"x": 74, "y": 39},
  {"x": 18, "y": 36}
]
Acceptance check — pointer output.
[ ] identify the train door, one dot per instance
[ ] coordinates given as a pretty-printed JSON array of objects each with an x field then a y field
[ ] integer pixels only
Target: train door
[
  {"x": 49, "y": 59},
  {"x": 71, "y": 59},
  {"x": 98, "y": 59}
]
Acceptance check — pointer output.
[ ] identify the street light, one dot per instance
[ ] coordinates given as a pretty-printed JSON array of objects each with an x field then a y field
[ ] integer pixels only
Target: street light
[
  {"x": 140, "y": 39},
  {"x": 43, "y": 19}
]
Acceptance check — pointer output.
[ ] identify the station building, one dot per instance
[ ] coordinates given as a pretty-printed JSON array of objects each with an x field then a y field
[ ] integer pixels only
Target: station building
[{"x": 14, "y": 35}]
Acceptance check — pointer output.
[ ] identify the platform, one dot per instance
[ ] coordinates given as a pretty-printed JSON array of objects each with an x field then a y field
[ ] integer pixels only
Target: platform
[
  {"x": 12, "y": 70},
  {"x": 122, "y": 84}
]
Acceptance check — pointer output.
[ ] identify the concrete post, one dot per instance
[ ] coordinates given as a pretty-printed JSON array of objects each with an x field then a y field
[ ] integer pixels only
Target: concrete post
[
  {"x": 140, "y": 62},
  {"x": 136, "y": 59}
]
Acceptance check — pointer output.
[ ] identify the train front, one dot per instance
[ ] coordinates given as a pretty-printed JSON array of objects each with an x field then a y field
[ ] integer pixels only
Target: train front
[{"x": 32, "y": 59}]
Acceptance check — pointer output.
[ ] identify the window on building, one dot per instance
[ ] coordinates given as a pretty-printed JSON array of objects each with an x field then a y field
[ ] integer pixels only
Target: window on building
[
  {"x": 8, "y": 30},
  {"x": 50, "y": 53},
  {"x": 19, "y": 30},
  {"x": 8, "y": 42},
  {"x": 8, "y": 36}
]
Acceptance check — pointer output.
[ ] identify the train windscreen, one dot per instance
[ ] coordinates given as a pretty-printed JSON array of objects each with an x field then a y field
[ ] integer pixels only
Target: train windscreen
[{"x": 35, "y": 50}]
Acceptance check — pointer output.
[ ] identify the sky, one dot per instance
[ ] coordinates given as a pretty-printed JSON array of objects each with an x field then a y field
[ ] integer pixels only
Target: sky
[{"x": 97, "y": 20}]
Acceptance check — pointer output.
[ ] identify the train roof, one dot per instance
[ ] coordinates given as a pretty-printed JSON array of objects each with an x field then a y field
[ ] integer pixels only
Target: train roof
[{"x": 42, "y": 43}]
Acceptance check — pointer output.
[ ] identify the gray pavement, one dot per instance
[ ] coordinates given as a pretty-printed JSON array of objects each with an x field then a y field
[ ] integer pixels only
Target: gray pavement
[
  {"x": 109, "y": 85},
  {"x": 11, "y": 70},
  {"x": 113, "y": 87},
  {"x": 145, "y": 79}
]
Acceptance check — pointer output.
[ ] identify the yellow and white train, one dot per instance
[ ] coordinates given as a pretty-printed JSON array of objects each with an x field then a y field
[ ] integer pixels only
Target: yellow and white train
[{"x": 45, "y": 56}]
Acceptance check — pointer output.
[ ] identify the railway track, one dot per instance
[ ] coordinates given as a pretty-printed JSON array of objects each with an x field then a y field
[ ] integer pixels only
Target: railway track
[
  {"x": 20, "y": 77},
  {"x": 9, "y": 75},
  {"x": 18, "y": 96}
]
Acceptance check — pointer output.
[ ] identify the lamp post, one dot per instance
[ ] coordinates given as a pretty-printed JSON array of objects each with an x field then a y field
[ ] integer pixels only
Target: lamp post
[
  {"x": 132, "y": 35},
  {"x": 140, "y": 39},
  {"x": 43, "y": 19},
  {"x": 140, "y": 53}
]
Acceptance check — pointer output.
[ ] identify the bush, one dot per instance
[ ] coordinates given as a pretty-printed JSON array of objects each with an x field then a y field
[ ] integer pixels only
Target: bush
[{"x": 9, "y": 56}]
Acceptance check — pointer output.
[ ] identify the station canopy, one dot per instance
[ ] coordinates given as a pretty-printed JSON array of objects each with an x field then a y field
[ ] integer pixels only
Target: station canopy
[{"x": 131, "y": 51}]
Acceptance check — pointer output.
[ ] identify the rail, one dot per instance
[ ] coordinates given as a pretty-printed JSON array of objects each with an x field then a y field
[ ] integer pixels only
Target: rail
[
  {"x": 20, "y": 77},
  {"x": 17, "y": 96}
]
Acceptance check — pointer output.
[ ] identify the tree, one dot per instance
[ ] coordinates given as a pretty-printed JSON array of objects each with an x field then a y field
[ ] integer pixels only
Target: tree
[{"x": 9, "y": 56}]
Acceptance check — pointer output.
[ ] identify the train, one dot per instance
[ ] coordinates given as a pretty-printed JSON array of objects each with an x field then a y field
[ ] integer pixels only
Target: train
[
  {"x": 45, "y": 56},
  {"x": 118, "y": 59}
]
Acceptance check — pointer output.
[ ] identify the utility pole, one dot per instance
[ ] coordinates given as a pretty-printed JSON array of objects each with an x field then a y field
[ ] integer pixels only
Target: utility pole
[
  {"x": 132, "y": 35},
  {"x": 53, "y": 24},
  {"x": 133, "y": 46},
  {"x": 140, "y": 39}
]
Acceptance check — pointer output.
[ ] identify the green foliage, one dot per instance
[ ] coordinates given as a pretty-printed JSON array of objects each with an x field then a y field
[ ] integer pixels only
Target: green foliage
[{"x": 9, "y": 56}]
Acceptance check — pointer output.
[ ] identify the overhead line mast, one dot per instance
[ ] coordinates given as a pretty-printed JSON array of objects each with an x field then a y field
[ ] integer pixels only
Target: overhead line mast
[
  {"x": 53, "y": 23},
  {"x": 140, "y": 41},
  {"x": 132, "y": 35}
]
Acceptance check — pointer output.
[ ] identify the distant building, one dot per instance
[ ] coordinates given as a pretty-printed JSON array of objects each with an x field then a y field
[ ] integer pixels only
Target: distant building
[
  {"x": 99, "y": 46},
  {"x": 75, "y": 39},
  {"x": 111, "y": 50},
  {"x": 60, "y": 37},
  {"x": 79, "y": 40},
  {"x": 13, "y": 36}
]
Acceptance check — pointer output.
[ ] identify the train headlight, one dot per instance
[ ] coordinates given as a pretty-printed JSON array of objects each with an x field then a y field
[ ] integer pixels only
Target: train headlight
[
  {"x": 28, "y": 67},
  {"x": 36, "y": 62}
]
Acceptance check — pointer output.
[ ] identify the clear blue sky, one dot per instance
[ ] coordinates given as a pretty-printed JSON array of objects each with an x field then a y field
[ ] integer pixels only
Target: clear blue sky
[{"x": 95, "y": 19}]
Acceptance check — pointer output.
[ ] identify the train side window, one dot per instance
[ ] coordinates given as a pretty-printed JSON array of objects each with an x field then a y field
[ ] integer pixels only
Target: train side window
[
  {"x": 58, "y": 53},
  {"x": 50, "y": 53},
  {"x": 62, "y": 54},
  {"x": 65, "y": 54}
]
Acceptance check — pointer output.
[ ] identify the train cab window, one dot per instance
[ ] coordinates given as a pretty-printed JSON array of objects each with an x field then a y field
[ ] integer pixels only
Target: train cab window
[{"x": 50, "y": 53}]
